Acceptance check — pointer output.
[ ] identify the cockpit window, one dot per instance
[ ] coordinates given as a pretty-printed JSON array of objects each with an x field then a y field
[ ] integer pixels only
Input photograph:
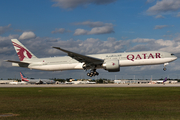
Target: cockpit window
[{"x": 172, "y": 54}]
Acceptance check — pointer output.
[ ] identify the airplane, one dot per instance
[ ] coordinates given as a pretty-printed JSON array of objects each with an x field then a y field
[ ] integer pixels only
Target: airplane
[
  {"x": 36, "y": 81},
  {"x": 75, "y": 61},
  {"x": 69, "y": 82},
  {"x": 91, "y": 82},
  {"x": 162, "y": 81},
  {"x": 18, "y": 83}
]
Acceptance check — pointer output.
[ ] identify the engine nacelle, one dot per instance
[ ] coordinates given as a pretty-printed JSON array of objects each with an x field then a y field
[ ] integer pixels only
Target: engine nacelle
[{"x": 111, "y": 65}]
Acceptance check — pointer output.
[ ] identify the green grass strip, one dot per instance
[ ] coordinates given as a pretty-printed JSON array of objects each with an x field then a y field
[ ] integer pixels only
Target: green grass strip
[{"x": 91, "y": 103}]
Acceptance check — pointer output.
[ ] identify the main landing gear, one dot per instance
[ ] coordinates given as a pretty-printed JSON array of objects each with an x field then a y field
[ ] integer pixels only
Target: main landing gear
[
  {"x": 92, "y": 73},
  {"x": 92, "y": 68}
]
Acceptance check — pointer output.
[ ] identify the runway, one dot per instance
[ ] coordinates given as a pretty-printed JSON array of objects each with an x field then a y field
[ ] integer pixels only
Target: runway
[{"x": 91, "y": 85}]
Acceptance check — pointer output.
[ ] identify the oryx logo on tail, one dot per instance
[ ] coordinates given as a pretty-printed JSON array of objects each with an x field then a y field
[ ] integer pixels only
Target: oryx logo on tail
[{"x": 22, "y": 52}]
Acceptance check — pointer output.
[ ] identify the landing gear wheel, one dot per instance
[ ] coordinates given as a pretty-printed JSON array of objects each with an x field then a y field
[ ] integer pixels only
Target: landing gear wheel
[
  {"x": 165, "y": 64},
  {"x": 164, "y": 69},
  {"x": 92, "y": 73},
  {"x": 88, "y": 74}
]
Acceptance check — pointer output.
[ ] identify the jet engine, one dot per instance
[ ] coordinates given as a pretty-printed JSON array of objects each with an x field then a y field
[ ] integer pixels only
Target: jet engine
[{"x": 111, "y": 65}]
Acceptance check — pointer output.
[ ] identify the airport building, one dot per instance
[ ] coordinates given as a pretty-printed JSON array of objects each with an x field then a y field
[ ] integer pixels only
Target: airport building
[
  {"x": 144, "y": 82},
  {"x": 132, "y": 81},
  {"x": 6, "y": 81}
]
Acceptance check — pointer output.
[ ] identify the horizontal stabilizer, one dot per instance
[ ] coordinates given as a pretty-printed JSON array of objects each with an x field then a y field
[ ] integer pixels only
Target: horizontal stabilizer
[{"x": 19, "y": 62}]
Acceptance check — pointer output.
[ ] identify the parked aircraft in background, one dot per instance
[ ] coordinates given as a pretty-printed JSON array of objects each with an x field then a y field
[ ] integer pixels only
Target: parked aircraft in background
[
  {"x": 69, "y": 82},
  {"x": 110, "y": 61},
  {"x": 91, "y": 82},
  {"x": 36, "y": 81},
  {"x": 161, "y": 81},
  {"x": 18, "y": 83}
]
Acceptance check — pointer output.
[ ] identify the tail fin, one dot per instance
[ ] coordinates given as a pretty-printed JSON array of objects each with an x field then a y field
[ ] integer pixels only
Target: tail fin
[
  {"x": 22, "y": 51},
  {"x": 165, "y": 80},
  {"x": 23, "y": 78}
]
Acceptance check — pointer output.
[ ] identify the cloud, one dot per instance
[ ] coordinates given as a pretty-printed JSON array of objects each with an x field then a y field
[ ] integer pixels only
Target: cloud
[
  {"x": 27, "y": 35},
  {"x": 172, "y": 46},
  {"x": 160, "y": 26},
  {"x": 97, "y": 28},
  {"x": 102, "y": 30},
  {"x": 41, "y": 47},
  {"x": 168, "y": 36},
  {"x": 178, "y": 15},
  {"x": 142, "y": 40},
  {"x": 159, "y": 16},
  {"x": 4, "y": 29},
  {"x": 164, "y": 6},
  {"x": 93, "y": 24},
  {"x": 4, "y": 39},
  {"x": 71, "y": 4},
  {"x": 60, "y": 30},
  {"x": 6, "y": 50},
  {"x": 5, "y": 43},
  {"x": 18, "y": 30},
  {"x": 80, "y": 32},
  {"x": 149, "y": 1},
  {"x": 166, "y": 43}
]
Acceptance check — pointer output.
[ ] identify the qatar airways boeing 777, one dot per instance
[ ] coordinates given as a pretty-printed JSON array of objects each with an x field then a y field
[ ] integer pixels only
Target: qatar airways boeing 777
[{"x": 75, "y": 61}]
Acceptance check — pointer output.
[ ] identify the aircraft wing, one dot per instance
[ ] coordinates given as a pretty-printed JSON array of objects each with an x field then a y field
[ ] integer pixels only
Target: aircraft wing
[
  {"x": 39, "y": 82},
  {"x": 82, "y": 58}
]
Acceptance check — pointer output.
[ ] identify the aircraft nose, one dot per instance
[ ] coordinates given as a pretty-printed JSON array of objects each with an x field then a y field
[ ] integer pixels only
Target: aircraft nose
[{"x": 174, "y": 57}]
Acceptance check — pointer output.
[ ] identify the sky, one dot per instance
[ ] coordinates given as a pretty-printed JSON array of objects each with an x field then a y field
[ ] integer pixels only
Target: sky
[{"x": 90, "y": 27}]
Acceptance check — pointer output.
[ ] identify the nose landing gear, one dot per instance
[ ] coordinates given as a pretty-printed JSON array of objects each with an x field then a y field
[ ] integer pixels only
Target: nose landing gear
[
  {"x": 165, "y": 66},
  {"x": 164, "y": 69}
]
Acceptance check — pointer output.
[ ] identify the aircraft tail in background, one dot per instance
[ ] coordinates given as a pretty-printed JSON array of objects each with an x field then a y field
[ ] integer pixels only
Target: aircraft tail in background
[
  {"x": 23, "y": 78},
  {"x": 165, "y": 80},
  {"x": 22, "y": 51}
]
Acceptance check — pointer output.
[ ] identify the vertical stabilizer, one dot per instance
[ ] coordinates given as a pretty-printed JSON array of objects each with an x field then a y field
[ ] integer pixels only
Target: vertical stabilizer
[
  {"x": 22, "y": 52},
  {"x": 23, "y": 78},
  {"x": 165, "y": 80}
]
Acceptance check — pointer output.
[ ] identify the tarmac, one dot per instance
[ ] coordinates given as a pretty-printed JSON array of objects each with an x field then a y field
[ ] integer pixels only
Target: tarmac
[{"x": 90, "y": 85}]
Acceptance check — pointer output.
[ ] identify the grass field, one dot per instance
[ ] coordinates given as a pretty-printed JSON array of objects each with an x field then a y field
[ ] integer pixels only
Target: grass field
[{"x": 90, "y": 103}]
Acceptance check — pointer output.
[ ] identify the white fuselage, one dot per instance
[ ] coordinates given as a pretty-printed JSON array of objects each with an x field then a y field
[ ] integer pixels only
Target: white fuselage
[
  {"x": 40, "y": 81},
  {"x": 125, "y": 59}
]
